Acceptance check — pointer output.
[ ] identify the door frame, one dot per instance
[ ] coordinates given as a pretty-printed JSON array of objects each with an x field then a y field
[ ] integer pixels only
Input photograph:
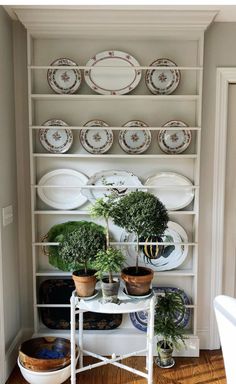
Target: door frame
[
  {"x": 2, "y": 333},
  {"x": 224, "y": 77}
]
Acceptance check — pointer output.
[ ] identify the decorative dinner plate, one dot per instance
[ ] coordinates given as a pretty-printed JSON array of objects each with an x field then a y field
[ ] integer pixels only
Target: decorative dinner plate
[
  {"x": 96, "y": 140},
  {"x": 162, "y": 81},
  {"x": 174, "y": 190},
  {"x": 112, "y": 73},
  {"x": 139, "y": 319},
  {"x": 64, "y": 80},
  {"x": 174, "y": 141},
  {"x": 116, "y": 181},
  {"x": 56, "y": 140},
  {"x": 62, "y": 198},
  {"x": 135, "y": 141},
  {"x": 158, "y": 257}
]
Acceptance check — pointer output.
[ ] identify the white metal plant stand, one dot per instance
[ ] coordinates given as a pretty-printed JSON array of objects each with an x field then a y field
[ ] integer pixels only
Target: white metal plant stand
[{"x": 126, "y": 305}]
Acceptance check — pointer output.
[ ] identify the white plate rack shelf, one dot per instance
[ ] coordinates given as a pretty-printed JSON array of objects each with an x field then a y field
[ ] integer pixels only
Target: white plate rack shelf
[{"x": 176, "y": 41}]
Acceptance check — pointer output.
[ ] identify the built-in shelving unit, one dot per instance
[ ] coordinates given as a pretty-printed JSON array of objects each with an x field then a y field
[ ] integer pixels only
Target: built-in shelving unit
[{"x": 177, "y": 41}]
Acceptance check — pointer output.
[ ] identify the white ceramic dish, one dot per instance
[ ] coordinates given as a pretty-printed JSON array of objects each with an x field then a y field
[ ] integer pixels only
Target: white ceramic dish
[
  {"x": 170, "y": 256},
  {"x": 174, "y": 190},
  {"x": 52, "y": 377},
  {"x": 163, "y": 81},
  {"x": 174, "y": 141},
  {"x": 64, "y": 80},
  {"x": 117, "y": 77},
  {"x": 96, "y": 140},
  {"x": 118, "y": 179},
  {"x": 96, "y": 292},
  {"x": 138, "y": 297},
  {"x": 56, "y": 140},
  {"x": 135, "y": 141},
  {"x": 62, "y": 198}
]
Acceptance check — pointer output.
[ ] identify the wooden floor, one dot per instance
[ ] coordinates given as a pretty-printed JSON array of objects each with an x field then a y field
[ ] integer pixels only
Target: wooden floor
[{"x": 207, "y": 369}]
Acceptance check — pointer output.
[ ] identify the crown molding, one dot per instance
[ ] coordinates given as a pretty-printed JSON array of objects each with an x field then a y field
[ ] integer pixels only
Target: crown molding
[{"x": 104, "y": 19}]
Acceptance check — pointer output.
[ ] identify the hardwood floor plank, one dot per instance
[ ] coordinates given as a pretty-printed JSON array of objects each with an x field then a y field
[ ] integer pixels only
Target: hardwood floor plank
[{"x": 207, "y": 369}]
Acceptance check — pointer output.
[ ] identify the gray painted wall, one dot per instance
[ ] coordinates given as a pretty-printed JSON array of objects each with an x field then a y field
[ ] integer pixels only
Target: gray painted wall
[{"x": 8, "y": 187}]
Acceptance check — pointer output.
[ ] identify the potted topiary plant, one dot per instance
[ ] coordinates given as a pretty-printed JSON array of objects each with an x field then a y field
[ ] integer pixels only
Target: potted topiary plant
[
  {"x": 110, "y": 260},
  {"x": 78, "y": 245},
  {"x": 141, "y": 213},
  {"x": 170, "y": 334}
]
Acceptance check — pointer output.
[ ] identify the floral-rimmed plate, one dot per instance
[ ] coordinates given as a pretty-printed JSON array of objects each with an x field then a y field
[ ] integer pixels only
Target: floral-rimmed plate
[
  {"x": 162, "y": 81},
  {"x": 62, "y": 198},
  {"x": 56, "y": 140},
  {"x": 116, "y": 181},
  {"x": 158, "y": 257},
  {"x": 117, "y": 76},
  {"x": 96, "y": 140},
  {"x": 174, "y": 190},
  {"x": 135, "y": 141},
  {"x": 139, "y": 319},
  {"x": 64, "y": 80},
  {"x": 174, "y": 141}
]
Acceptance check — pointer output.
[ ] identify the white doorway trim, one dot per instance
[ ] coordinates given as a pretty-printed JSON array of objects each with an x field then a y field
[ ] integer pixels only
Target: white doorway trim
[
  {"x": 224, "y": 77},
  {"x": 2, "y": 334}
]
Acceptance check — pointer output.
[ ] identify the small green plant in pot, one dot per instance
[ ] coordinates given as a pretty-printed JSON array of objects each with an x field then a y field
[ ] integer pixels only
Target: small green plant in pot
[
  {"x": 143, "y": 214},
  {"x": 78, "y": 249},
  {"x": 111, "y": 260},
  {"x": 170, "y": 334}
]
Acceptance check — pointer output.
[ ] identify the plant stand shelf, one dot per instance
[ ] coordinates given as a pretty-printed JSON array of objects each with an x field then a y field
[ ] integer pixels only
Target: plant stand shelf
[{"x": 125, "y": 305}]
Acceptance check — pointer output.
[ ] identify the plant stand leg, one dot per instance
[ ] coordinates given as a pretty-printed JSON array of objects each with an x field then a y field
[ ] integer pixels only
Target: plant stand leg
[
  {"x": 72, "y": 339},
  {"x": 150, "y": 337},
  {"x": 81, "y": 320}
]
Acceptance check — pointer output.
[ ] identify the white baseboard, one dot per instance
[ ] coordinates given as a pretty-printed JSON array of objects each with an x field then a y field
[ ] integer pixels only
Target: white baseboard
[
  {"x": 12, "y": 352},
  {"x": 203, "y": 335}
]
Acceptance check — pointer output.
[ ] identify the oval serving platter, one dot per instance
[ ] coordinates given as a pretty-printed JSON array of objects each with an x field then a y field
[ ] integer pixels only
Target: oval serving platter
[
  {"x": 117, "y": 76},
  {"x": 139, "y": 319},
  {"x": 162, "y": 81},
  {"x": 97, "y": 140},
  {"x": 64, "y": 81},
  {"x": 174, "y": 141},
  {"x": 135, "y": 141},
  {"x": 159, "y": 257},
  {"x": 56, "y": 140},
  {"x": 59, "y": 197}
]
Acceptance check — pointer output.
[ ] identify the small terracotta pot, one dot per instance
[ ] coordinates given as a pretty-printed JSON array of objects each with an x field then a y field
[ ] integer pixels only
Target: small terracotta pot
[
  {"x": 84, "y": 284},
  {"x": 137, "y": 284}
]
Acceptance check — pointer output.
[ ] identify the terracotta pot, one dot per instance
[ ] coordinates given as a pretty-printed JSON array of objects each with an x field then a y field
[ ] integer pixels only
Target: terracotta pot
[
  {"x": 137, "y": 284},
  {"x": 84, "y": 284},
  {"x": 110, "y": 290}
]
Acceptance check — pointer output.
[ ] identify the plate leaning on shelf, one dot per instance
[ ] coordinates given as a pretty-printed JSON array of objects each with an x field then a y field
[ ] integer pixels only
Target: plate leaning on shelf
[
  {"x": 96, "y": 140},
  {"x": 174, "y": 190},
  {"x": 117, "y": 76},
  {"x": 135, "y": 141},
  {"x": 139, "y": 319},
  {"x": 159, "y": 257},
  {"x": 62, "y": 197},
  {"x": 56, "y": 140},
  {"x": 64, "y": 80},
  {"x": 174, "y": 141},
  {"x": 119, "y": 179},
  {"x": 162, "y": 81}
]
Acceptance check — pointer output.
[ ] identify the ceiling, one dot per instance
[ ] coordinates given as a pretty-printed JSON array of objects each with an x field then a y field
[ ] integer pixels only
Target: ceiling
[{"x": 225, "y": 13}]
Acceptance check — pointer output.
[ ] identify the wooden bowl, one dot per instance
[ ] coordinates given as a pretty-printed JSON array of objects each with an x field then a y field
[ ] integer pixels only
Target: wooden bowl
[{"x": 45, "y": 353}]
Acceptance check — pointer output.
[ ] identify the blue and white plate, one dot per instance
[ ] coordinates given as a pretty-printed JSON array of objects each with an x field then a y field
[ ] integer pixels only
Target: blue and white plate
[{"x": 139, "y": 319}]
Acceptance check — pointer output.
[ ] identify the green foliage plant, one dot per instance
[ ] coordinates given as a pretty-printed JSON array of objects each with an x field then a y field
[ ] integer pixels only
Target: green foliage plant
[
  {"x": 102, "y": 209},
  {"x": 79, "y": 242},
  {"x": 141, "y": 213},
  {"x": 108, "y": 261},
  {"x": 171, "y": 334}
]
